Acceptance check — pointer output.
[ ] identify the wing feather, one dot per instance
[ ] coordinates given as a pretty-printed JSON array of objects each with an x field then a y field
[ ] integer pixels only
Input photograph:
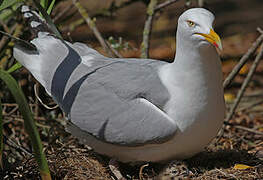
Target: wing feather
[{"x": 118, "y": 101}]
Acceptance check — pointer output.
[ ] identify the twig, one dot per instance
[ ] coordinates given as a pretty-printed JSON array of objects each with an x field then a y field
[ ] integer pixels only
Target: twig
[
  {"x": 165, "y": 4},
  {"x": 113, "y": 8},
  {"x": 13, "y": 144},
  {"x": 41, "y": 102},
  {"x": 251, "y": 106},
  {"x": 12, "y": 111},
  {"x": 18, "y": 40},
  {"x": 36, "y": 89},
  {"x": 225, "y": 174},
  {"x": 244, "y": 84},
  {"x": 5, "y": 27},
  {"x": 19, "y": 119},
  {"x": 147, "y": 29},
  {"x": 260, "y": 30},
  {"x": 93, "y": 27},
  {"x": 116, "y": 53},
  {"x": 244, "y": 128},
  {"x": 141, "y": 171},
  {"x": 201, "y": 3},
  {"x": 5, "y": 38},
  {"x": 243, "y": 60},
  {"x": 62, "y": 13},
  {"x": 115, "y": 169}
]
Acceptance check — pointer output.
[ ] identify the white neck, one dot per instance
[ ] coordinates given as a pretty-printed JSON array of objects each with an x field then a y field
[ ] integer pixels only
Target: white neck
[{"x": 194, "y": 81}]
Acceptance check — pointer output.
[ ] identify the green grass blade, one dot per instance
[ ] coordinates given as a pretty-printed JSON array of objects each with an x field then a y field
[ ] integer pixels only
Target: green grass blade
[
  {"x": 50, "y": 8},
  {"x": 15, "y": 67},
  {"x": 5, "y": 14},
  {"x": 8, "y": 3},
  {"x": 48, "y": 19},
  {"x": 44, "y": 4},
  {"x": 29, "y": 123},
  {"x": 1, "y": 136}
]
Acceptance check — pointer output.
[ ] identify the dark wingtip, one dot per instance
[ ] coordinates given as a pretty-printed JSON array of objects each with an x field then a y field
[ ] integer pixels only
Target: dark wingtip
[
  {"x": 36, "y": 22},
  {"x": 27, "y": 47}
]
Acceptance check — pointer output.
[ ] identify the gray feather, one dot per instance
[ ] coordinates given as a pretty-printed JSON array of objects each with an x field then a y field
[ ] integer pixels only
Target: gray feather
[{"x": 116, "y": 100}]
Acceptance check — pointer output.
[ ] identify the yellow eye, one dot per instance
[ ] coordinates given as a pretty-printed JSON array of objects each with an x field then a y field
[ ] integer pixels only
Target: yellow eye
[{"x": 190, "y": 23}]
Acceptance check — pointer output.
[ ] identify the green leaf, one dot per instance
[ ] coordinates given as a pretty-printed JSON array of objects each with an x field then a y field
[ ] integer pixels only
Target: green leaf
[
  {"x": 14, "y": 67},
  {"x": 44, "y": 4},
  {"x": 50, "y": 8},
  {"x": 29, "y": 123},
  {"x": 1, "y": 136},
  {"x": 8, "y": 3},
  {"x": 5, "y": 14}
]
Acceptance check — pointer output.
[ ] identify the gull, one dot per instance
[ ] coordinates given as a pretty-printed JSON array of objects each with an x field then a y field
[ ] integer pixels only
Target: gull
[{"x": 134, "y": 110}]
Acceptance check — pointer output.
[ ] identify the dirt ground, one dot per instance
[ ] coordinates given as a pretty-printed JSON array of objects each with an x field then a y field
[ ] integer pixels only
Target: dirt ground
[
  {"x": 238, "y": 154},
  {"x": 70, "y": 160}
]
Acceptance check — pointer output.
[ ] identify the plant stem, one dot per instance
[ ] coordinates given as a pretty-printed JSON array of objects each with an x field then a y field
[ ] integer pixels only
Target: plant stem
[
  {"x": 164, "y": 4},
  {"x": 242, "y": 61},
  {"x": 93, "y": 27},
  {"x": 29, "y": 123},
  {"x": 245, "y": 83},
  {"x": 147, "y": 29},
  {"x": 1, "y": 136}
]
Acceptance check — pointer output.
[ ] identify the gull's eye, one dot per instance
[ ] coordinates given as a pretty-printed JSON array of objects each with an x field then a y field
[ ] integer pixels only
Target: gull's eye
[{"x": 190, "y": 23}]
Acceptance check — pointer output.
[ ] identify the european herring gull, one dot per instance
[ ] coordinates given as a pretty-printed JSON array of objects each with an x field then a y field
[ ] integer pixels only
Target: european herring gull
[{"x": 135, "y": 110}]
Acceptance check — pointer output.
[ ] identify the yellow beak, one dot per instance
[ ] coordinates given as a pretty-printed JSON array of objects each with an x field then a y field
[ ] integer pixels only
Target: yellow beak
[{"x": 213, "y": 38}]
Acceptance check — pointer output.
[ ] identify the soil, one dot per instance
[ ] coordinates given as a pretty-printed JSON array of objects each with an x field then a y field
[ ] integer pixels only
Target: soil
[{"x": 238, "y": 154}]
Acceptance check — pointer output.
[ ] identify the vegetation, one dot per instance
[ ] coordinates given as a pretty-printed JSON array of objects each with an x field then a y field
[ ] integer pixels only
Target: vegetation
[{"x": 235, "y": 154}]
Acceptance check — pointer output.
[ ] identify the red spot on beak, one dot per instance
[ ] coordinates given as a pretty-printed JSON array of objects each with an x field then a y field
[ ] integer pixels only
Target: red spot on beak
[{"x": 215, "y": 44}]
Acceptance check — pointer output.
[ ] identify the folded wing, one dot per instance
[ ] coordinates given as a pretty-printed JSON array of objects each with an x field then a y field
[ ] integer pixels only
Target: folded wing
[{"x": 116, "y": 100}]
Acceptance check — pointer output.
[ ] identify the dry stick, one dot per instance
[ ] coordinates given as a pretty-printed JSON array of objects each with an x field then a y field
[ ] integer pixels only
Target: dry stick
[
  {"x": 201, "y": 3},
  {"x": 40, "y": 100},
  {"x": 141, "y": 171},
  {"x": 244, "y": 128},
  {"x": 11, "y": 112},
  {"x": 25, "y": 43},
  {"x": 260, "y": 30},
  {"x": 5, "y": 38},
  {"x": 147, "y": 29},
  {"x": 241, "y": 92},
  {"x": 114, "y": 167},
  {"x": 116, "y": 53},
  {"x": 245, "y": 83},
  {"x": 225, "y": 174},
  {"x": 93, "y": 27},
  {"x": 165, "y": 4},
  {"x": 113, "y": 8},
  {"x": 152, "y": 8},
  {"x": 13, "y": 144},
  {"x": 251, "y": 106},
  {"x": 5, "y": 27},
  {"x": 36, "y": 114},
  {"x": 62, "y": 13},
  {"x": 243, "y": 60}
]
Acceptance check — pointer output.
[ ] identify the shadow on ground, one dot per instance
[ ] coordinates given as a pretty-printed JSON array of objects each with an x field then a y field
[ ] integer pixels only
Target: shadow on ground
[{"x": 194, "y": 167}]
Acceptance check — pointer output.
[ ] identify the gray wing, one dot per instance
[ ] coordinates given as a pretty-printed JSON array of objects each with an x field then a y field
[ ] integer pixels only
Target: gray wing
[
  {"x": 120, "y": 101},
  {"x": 116, "y": 100}
]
